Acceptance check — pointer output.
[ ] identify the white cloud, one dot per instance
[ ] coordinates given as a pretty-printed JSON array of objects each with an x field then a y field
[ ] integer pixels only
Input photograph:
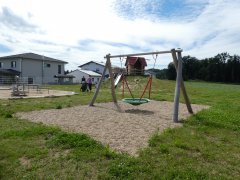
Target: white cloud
[
  {"x": 63, "y": 25},
  {"x": 219, "y": 22}
]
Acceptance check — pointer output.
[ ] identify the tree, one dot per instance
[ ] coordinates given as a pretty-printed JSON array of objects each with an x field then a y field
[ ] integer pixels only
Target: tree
[
  {"x": 162, "y": 74},
  {"x": 66, "y": 72},
  {"x": 233, "y": 69},
  {"x": 220, "y": 68},
  {"x": 190, "y": 67},
  {"x": 171, "y": 72}
]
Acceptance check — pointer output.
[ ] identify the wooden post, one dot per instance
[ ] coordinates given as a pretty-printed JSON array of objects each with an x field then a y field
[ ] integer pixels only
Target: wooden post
[
  {"x": 150, "y": 87},
  {"x": 177, "y": 89},
  {"x": 99, "y": 84},
  {"x": 186, "y": 98},
  {"x": 111, "y": 79},
  {"x": 123, "y": 82}
]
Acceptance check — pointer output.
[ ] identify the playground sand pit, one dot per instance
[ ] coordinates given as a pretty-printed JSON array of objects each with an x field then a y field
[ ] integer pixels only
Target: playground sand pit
[
  {"x": 126, "y": 131},
  {"x": 33, "y": 93}
]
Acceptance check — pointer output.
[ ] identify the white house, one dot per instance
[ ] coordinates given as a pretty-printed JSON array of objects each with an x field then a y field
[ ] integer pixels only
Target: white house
[
  {"x": 79, "y": 73},
  {"x": 31, "y": 68},
  {"x": 94, "y": 66}
]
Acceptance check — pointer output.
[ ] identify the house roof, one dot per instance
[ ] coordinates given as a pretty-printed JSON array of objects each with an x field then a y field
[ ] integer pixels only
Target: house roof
[
  {"x": 64, "y": 76},
  {"x": 133, "y": 60},
  {"x": 9, "y": 72},
  {"x": 33, "y": 56},
  {"x": 88, "y": 72},
  {"x": 91, "y": 73},
  {"x": 98, "y": 63}
]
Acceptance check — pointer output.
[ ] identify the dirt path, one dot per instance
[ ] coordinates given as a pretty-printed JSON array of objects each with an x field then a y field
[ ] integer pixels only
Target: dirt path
[{"x": 125, "y": 131}]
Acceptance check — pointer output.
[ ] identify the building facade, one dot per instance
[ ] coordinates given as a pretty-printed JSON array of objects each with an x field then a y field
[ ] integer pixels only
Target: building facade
[
  {"x": 31, "y": 68},
  {"x": 95, "y": 67},
  {"x": 79, "y": 74}
]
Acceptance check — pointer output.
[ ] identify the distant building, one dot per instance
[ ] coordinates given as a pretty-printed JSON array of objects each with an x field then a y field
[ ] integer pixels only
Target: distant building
[
  {"x": 64, "y": 79},
  {"x": 95, "y": 67},
  {"x": 31, "y": 68},
  {"x": 135, "y": 65},
  {"x": 79, "y": 73}
]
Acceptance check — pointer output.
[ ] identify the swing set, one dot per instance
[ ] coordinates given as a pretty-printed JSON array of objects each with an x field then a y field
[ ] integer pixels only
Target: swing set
[
  {"x": 177, "y": 60},
  {"x": 137, "y": 101}
]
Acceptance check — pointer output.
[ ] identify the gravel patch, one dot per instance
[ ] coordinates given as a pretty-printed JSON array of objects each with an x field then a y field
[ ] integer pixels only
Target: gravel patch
[{"x": 126, "y": 131}]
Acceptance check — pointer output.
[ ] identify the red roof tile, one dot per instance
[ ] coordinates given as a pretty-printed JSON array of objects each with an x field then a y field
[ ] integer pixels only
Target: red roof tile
[{"x": 133, "y": 60}]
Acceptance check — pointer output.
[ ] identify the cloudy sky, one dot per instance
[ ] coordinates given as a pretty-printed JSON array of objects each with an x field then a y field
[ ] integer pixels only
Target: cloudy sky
[{"x": 78, "y": 31}]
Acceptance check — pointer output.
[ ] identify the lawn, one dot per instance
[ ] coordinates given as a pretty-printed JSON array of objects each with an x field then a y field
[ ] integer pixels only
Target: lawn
[{"x": 206, "y": 147}]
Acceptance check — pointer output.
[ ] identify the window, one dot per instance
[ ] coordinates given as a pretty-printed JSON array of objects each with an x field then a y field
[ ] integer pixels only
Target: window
[
  {"x": 13, "y": 64},
  {"x": 92, "y": 79},
  {"x": 97, "y": 70},
  {"x": 30, "y": 80},
  {"x": 59, "y": 69},
  {"x": 1, "y": 64},
  {"x": 47, "y": 65}
]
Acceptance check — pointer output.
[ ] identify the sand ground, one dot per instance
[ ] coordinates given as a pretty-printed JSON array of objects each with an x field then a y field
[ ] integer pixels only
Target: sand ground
[
  {"x": 5, "y": 93},
  {"x": 126, "y": 131}
]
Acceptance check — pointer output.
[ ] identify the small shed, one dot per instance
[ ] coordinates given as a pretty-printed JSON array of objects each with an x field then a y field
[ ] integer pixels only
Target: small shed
[{"x": 135, "y": 65}]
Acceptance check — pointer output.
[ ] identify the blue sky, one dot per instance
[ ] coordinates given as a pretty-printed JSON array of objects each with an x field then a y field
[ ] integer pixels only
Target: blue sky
[{"x": 80, "y": 31}]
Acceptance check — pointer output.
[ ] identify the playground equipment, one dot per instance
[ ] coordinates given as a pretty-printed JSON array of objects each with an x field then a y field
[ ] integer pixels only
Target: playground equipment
[
  {"x": 177, "y": 60},
  {"x": 138, "y": 101},
  {"x": 118, "y": 78},
  {"x": 135, "y": 101}
]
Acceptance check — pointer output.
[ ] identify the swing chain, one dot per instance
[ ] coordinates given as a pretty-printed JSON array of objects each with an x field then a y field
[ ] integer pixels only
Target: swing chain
[
  {"x": 155, "y": 59},
  {"x": 121, "y": 60}
]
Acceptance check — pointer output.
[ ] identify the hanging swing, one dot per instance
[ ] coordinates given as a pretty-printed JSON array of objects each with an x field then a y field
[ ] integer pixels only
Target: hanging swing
[
  {"x": 138, "y": 101},
  {"x": 135, "y": 101}
]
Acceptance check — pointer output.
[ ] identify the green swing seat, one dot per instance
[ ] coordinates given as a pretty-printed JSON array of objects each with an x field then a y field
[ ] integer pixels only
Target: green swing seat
[{"x": 135, "y": 101}]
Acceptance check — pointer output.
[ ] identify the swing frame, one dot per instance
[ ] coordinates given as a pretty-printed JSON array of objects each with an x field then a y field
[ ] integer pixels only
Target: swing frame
[{"x": 177, "y": 60}]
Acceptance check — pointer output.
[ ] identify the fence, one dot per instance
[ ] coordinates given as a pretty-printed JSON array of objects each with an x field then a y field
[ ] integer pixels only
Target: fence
[{"x": 10, "y": 80}]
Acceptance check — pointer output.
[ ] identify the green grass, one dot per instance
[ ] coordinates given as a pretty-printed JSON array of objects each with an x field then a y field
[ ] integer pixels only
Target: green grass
[{"x": 206, "y": 147}]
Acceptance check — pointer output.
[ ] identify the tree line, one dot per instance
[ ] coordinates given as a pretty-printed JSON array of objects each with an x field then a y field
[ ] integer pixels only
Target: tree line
[{"x": 220, "y": 68}]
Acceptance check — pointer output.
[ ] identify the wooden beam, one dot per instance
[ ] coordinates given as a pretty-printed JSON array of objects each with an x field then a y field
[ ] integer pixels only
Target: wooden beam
[
  {"x": 142, "y": 54},
  {"x": 111, "y": 79},
  {"x": 177, "y": 89},
  {"x": 99, "y": 84},
  {"x": 185, "y": 95}
]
